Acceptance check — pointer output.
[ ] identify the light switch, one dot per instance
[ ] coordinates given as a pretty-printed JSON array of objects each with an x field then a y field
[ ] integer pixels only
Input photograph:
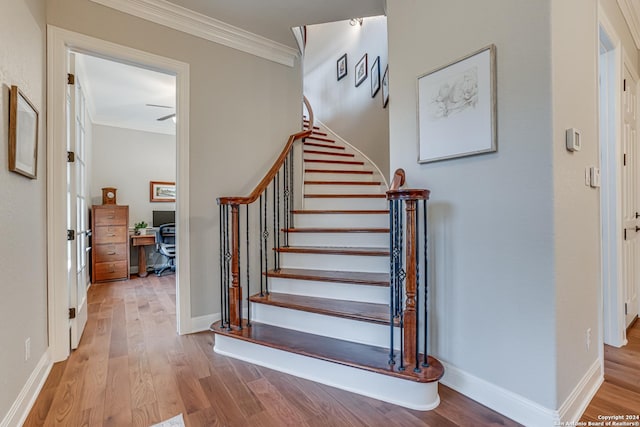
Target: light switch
[
  {"x": 573, "y": 139},
  {"x": 594, "y": 176}
]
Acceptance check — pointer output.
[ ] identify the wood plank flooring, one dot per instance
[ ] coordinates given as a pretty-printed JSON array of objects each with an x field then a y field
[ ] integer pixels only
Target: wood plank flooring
[
  {"x": 132, "y": 369},
  {"x": 620, "y": 392}
]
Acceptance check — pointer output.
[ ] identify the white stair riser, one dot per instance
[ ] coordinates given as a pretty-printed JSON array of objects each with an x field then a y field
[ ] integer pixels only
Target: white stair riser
[
  {"x": 328, "y": 156},
  {"x": 341, "y": 220},
  {"x": 341, "y": 291},
  {"x": 372, "y": 264},
  {"x": 326, "y": 176},
  {"x": 342, "y": 189},
  {"x": 339, "y": 203},
  {"x": 348, "y": 240},
  {"x": 328, "y": 326},
  {"x": 333, "y": 166},
  {"x": 409, "y": 394}
]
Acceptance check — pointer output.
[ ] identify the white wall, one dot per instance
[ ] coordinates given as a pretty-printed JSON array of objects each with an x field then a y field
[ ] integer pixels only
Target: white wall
[
  {"x": 23, "y": 284},
  {"x": 242, "y": 110},
  {"x": 491, "y": 219},
  {"x": 128, "y": 160},
  {"x": 348, "y": 110}
]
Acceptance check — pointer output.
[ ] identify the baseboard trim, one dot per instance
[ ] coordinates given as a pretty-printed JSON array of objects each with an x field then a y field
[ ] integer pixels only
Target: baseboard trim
[
  {"x": 24, "y": 402},
  {"x": 509, "y": 404},
  {"x": 202, "y": 323},
  {"x": 577, "y": 402}
]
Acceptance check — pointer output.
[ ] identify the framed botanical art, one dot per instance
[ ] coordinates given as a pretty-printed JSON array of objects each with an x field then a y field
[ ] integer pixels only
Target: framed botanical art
[
  {"x": 457, "y": 108},
  {"x": 385, "y": 88},
  {"x": 341, "y": 67},
  {"x": 361, "y": 70},
  {"x": 375, "y": 77},
  {"x": 23, "y": 134},
  {"x": 161, "y": 191}
]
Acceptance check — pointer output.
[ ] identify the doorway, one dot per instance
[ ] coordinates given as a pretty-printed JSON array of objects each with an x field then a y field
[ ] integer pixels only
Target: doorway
[{"x": 59, "y": 43}]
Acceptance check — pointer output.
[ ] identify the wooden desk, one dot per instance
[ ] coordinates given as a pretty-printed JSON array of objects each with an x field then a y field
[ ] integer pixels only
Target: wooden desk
[{"x": 142, "y": 241}]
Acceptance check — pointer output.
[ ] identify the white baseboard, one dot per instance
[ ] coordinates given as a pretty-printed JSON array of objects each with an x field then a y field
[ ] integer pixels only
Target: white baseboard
[
  {"x": 507, "y": 403},
  {"x": 202, "y": 323},
  {"x": 575, "y": 405},
  {"x": 24, "y": 402},
  {"x": 519, "y": 408}
]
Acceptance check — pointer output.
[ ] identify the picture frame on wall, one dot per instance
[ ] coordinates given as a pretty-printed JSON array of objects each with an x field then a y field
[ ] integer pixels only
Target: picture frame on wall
[
  {"x": 457, "y": 108},
  {"x": 385, "y": 87},
  {"x": 162, "y": 191},
  {"x": 375, "y": 77},
  {"x": 361, "y": 70},
  {"x": 341, "y": 67},
  {"x": 23, "y": 134}
]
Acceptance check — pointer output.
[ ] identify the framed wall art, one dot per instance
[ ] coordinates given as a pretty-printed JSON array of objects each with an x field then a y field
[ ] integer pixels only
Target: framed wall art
[
  {"x": 375, "y": 77},
  {"x": 23, "y": 134},
  {"x": 457, "y": 108},
  {"x": 385, "y": 88},
  {"x": 161, "y": 191},
  {"x": 361, "y": 70},
  {"x": 341, "y": 67}
]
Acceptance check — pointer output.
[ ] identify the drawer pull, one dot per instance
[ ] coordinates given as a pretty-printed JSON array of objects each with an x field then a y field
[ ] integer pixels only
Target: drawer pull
[
  {"x": 111, "y": 253},
  {"x": 111, "y": 235},
  {"x": 111, "y": 217}
]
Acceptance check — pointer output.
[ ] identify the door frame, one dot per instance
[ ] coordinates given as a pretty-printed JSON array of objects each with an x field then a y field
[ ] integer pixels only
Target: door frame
[
  {"x": 59, "y": 42},
  {"x": 612, "y": 320}
]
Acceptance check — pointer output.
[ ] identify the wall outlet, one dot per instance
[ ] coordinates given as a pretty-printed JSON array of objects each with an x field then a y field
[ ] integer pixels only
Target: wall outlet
[
  {"x": 27, "y": 349},
  {"x": 588, "y": 338}
]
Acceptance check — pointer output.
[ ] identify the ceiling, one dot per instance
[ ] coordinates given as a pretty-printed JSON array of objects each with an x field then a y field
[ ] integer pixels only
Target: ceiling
[
  {"x": 118, "y": 94},
  {"x": 274, "y": 19}
]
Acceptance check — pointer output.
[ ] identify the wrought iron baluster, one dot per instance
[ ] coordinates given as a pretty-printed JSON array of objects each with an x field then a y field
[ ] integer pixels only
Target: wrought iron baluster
[
  {"x": 262, "y": 269},
  {"x": 392, "y": 249},
  {"x": 275, "y": 229},
  {"x": 227, "y": 259},
  {"x": 265, "y": 238},
  {"x": 239, "y": 297},
  {"x": 248, "y": 282},
  {"x": 221, "y": 256},
  {"x": 401, "y": 367},
  {"x": 285, "y": 206},
  {"x": 417, "y": 306},
  {"x": 278, "y": 219},
  {"x": 292, "y": 206},
  {"x": 425, "y": 363}
]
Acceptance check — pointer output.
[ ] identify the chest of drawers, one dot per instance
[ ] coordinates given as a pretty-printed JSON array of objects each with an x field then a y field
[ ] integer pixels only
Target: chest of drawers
[{"x": 110, "y": 231}]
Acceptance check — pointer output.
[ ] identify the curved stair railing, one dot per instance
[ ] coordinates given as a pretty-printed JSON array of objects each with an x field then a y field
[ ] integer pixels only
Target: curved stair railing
[{"x": 275, "y": 208}]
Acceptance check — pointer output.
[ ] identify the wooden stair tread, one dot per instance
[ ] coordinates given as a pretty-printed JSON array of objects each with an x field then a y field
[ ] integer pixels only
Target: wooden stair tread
[
  {"x": 361, "y": 356},
  {"x": 334, "y": 250},
  {"x": 344, "y": 211},
  {"x": 335, "y": 230},
  {"x": 318, "y": 133},
  {"x": 338, "y": 171},
  {"x": 327, "y": 146},
  {"x": 343, "y": 182},
  {"x": 352, "y": 277},
  {"x": 345, "y": 196},
  {"x": 327, "y": 153},
  {"x": 354, "y": 310},
  {"x": 320, "y": 138},
  {"x": 338, "y": 162}
]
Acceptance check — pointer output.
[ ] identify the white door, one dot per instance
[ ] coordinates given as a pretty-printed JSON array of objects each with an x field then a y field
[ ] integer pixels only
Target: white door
[
  {"x": 77, "y": 208},
  {"x": 630, "y": 200}
]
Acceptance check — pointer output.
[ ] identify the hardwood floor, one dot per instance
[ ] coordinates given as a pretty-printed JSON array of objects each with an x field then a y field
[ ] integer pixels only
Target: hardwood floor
[
  {"x": 132, "y": 369},
  {"x": 620, "y": 392}
]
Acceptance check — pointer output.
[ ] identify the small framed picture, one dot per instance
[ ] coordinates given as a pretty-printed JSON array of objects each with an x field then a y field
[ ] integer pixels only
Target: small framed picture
[
  {"x": 23, "y": 135},
  {"x": 385, "y": 88},
  {"x": 162, "y": 191},
  {"x": 361, "y": 70},
  {"x": 341, "y": 67},
  {"x": 375, "y": 77}
]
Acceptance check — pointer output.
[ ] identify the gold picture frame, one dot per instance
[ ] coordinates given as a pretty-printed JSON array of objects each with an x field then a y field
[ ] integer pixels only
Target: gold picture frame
[
  {"x": 162, "y": 191},
  {"x": 23, "y": 135}
]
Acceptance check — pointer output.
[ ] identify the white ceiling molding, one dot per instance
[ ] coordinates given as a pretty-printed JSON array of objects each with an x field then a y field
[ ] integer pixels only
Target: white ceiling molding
[
  {"x": 182, "y": 19},
  {"x": 632, "y": 16}
]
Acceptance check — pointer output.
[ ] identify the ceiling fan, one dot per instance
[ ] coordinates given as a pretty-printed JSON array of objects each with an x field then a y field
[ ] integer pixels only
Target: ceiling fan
[{"x": 163, "y": 118}]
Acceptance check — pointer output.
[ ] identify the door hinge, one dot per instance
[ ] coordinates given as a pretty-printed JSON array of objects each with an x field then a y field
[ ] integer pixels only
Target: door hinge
[
  {"x": 71, "y": 235},
  {"x": 625, "y": 309},
  {"x": 72, "y": 313},
  {"x": 624, "y": 85},
  {"x": 71, "y": 157},
  {"x": 625, "y": 233},
  {"x": 71, "y": 79},
  {"x": 624, "y": 159}
]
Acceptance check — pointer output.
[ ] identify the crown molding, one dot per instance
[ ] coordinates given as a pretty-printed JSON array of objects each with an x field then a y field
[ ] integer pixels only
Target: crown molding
[
  {"x": 630, "y": 14},
  {"x": 188, "y": 21}
]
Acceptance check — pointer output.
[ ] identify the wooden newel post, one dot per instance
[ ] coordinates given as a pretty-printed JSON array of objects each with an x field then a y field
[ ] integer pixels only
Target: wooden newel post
[
  {"x": 235, "y": 292},
  {"x": 410, "y": 315}
]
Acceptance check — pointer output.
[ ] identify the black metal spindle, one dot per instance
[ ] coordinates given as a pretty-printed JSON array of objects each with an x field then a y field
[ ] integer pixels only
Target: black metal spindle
[
  {"x": 221, "y": 256},
  {"x": 292, "y": 206},
  {"x": 227, "y": 258},
  {"x": 401, "y": 367},
  {"x": 417, "y": 306},
  {"x": 425, "y": 363},
  {"x": 285, "y": 206},
  {"x": 275, "y": 229},
  {"x": 392, "y": 249},
  {"x": 279, "y": 195},
  {"x": 248, "y": 282},
  {"x": 238, "y": 252},
  {"x": 265, "y": 238}
]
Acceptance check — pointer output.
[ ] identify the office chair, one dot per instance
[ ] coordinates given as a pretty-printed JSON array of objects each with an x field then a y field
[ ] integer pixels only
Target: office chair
[{"x": 166, "y": 246}]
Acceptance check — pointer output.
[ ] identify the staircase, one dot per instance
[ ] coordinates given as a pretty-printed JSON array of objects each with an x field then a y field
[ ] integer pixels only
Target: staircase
[{"x": 322, "y": 311}]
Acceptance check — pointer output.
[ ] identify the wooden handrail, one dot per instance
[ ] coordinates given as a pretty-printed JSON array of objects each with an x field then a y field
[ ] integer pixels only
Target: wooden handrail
[
  {"x": 264, "y": 183},
  {"x": 398, "y": 180},
  {"x": 395, "y": 193}
]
